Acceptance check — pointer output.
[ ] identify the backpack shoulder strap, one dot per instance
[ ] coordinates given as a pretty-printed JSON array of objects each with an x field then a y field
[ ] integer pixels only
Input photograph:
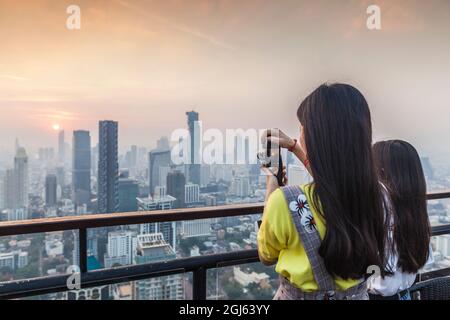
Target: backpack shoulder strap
[{"x": 309, "y": 235}]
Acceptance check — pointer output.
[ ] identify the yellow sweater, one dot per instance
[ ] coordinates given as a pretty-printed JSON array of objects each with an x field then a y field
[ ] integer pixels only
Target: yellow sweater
[{"x": 279, "y": 240}]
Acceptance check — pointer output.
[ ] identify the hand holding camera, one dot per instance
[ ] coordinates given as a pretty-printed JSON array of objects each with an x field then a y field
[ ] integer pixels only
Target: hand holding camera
[
  {"x": 278, "y": 137},
  {"x": 270, "y": 159}
]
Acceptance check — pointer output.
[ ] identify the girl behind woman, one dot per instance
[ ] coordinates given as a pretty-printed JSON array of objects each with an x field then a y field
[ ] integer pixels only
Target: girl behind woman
[
  {"x": 342, "y": 208},
  {"x": 400, "y": 171}
]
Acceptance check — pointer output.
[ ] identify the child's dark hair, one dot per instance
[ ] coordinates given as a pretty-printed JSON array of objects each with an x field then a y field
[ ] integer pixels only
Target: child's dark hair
[{"x": 400, "y": 170}]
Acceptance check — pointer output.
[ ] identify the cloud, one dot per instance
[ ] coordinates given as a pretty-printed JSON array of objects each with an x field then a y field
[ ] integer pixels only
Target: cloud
[
  {"x": 13, "y": 77},
  {"x": 179, "y": 27},
  {"x": 49, "y": 113},
  {"x": 32, "y": 98}
]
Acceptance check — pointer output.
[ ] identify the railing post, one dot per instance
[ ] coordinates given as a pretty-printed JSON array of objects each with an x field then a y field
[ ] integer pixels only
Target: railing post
[
  {"x": 199, "y": 284},
  {"x": 82, "y": 245}
]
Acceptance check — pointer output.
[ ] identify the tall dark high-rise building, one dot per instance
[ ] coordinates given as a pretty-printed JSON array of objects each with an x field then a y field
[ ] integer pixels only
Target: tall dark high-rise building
[
  {"x": 176, "y": 182},
  {"x": 157, "y": 159},
  {"x": 194, "y": 150},
  {"x": 81, "y": 167},
  {"x": 108, "y": 167},
  {"x": 128, "y": 193},
  {"x": 51, "y": 184}
]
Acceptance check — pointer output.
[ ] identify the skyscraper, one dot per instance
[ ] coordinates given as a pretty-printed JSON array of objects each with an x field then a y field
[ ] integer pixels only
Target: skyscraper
[
  {"x": 157, "y": 159},
  {"x": 108, "y": 167},
  {"x": 51, "y": 184},
  {"x": 194, "y": 151},
  {"x": 8, "y": 189},
  {"x": 21, "y": 179},
  {"x": 61, "y": 147},
  {"x": 168, "y": 229},
  {"x": 128, "y": 193},
  {"x": 81, "y": 167},
  {"x": 176, "y": 183},
  {"x": 61, "y": 176},
  {"x": 205, "y": 175},
  {"x": 16, "y": 145},
  {"x": 134, "y": 155},
  {"x": 120, "y": 248}
]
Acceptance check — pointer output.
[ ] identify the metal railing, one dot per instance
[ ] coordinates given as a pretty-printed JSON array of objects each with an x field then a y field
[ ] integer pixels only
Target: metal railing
[{"x": 197, "y": 265}]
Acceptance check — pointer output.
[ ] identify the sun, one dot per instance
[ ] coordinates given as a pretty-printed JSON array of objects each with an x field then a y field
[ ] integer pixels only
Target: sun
[{"x": 56, "y": 127}]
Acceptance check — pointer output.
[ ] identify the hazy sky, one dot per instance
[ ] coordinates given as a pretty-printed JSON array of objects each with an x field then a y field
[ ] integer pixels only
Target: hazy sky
[{"x": 240, "y": 64}]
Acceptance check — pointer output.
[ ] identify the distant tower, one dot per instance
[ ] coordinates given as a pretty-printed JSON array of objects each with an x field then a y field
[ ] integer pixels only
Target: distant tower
[
  {"x": 134, "y": 157},
  {"x": 81, "y": 167},
  {"x": 108, "y": 167},
  {"x": 194, "y": 132},
  {"x": 157, "y": 159},
  {"x": 17, "y": 145},
  {"x": 61, "y": 176},
  {"x": 21, "y": 179},
  {"x": 51, "y": 184},
  {"x": 8, "y": 189},
  {"x": 176, "y": 183},
  {"x": 163, "y": 143},
  {"x": 427, "y": 168},
  {"x": 61, "y": 147}
]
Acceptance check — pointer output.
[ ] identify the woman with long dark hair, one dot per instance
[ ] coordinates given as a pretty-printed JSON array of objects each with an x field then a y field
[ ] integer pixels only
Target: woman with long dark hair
[
  {"x": 323, "y": 236},
  {"x": 400, "y": 171}
]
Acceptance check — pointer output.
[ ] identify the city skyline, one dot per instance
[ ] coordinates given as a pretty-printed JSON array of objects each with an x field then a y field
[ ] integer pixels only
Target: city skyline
[
  {"x": 103, "y": 182},
  {"x": 122, "y": 118}
]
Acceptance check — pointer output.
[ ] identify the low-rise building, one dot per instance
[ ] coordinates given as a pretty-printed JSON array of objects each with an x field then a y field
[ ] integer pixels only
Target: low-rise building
[{"x": 245, "y": 279}]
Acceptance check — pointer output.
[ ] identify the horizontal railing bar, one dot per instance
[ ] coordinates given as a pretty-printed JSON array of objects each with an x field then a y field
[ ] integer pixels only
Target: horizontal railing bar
[
  {"x": 434, "y": 274},
  {"x": 440, "y": 230},
  {"x": 8, "y": 228},
  {"x": 438, "y": 195},
  {"x": 51, "y": 284}
]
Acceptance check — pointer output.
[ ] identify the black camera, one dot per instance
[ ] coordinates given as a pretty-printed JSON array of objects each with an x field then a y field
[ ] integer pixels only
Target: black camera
[{"x": 271, "y": 158}]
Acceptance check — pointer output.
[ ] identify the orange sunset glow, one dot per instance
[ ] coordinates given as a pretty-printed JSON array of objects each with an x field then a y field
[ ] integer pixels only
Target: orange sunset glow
[{"x": 144, "y": 63}]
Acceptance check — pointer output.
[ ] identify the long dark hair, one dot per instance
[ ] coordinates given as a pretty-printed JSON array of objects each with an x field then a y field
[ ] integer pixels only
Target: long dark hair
[
  {"x": 400, "y": 170},
  {"x": 338, "y": 137}
]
